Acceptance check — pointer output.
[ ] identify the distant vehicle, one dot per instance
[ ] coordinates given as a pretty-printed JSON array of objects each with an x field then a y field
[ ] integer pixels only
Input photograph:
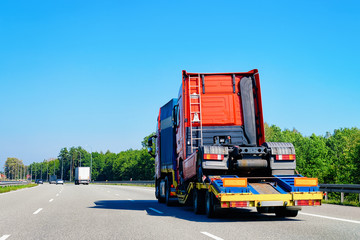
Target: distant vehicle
[
  {"x": 82, "y": 175},
  {"x": 52, "y": 179},
  {"x": 59, "y": 181},
  {"x": 39, "y": 181}
]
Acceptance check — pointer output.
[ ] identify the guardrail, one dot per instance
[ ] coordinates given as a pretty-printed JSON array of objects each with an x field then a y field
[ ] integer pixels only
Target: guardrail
[
  {"x": 341, "y": 188},
  {"x": 136, "y": 182},
  {"x": 13, "y": 183}
]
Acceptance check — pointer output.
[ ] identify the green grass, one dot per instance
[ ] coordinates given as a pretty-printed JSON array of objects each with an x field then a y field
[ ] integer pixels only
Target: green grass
[
  {"x": 345, "y": 203},
  {"x": 5, "y": 189}
]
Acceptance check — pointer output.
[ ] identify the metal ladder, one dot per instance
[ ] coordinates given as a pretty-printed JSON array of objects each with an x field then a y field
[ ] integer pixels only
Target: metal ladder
[{"x": 195, "y": 112}]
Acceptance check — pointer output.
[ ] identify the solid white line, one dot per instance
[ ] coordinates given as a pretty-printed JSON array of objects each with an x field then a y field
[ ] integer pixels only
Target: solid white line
[
  {"x": 212, "y": 236},
  {"x": 37, "y": 211},
  {"x": 332, "y": 218},
  {"x": 51, "y": 200},
  {"x": 155, "y": 210},
  {"x": 4, "y": 237}
]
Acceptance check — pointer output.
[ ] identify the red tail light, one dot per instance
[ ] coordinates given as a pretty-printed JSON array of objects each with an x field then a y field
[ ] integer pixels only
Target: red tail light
[
  {"x": 307, "y": 202},
  {"x": 234, "y": 204},
  {"x": 286, "y": 157},
  {"x": 213, "y": 157}
]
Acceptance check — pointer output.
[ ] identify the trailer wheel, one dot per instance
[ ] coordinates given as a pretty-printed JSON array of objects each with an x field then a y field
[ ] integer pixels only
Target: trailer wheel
[
  {"x": 211, "y": 210},
  {"x": 157, "y": 193},
  {"x": 167, "y": 192},
  {"x": 283, "y": 212},
  {"x": 262, "y": 209},
  {"x": 198, "y": 201}
]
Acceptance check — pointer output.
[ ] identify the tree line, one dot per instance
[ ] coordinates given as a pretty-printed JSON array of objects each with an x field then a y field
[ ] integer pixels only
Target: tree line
[{"x": 333, "y": 158}]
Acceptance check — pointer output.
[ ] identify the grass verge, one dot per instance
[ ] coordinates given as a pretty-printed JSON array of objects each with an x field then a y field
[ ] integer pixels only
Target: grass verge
[
  {"x": 345, "y": 203},
  {"x": 4, "y": 189}
]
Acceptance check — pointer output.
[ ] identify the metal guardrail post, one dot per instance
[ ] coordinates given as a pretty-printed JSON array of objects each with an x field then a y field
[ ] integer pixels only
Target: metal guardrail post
[
  {"x": 326, "y": 196},
  {"x": 342, "y": 197}
]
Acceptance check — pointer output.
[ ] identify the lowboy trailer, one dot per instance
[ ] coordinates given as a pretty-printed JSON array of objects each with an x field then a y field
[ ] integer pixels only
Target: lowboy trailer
[{"x": 211, "y": 150}]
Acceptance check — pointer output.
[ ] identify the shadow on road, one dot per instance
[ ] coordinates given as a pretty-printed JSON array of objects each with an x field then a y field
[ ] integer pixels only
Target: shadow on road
[{"x": 186, "y": 213}]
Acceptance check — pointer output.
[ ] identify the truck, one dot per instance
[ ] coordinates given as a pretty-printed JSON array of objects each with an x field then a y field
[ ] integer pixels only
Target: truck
[
  {"x": 52, "y": 179},
  {"x": 210, "y": 150},
  {"x": 82, "y": 175}
]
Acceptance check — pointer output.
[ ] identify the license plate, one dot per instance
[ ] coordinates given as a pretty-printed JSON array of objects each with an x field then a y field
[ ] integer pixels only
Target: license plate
[{"x": 272, "y": 203}]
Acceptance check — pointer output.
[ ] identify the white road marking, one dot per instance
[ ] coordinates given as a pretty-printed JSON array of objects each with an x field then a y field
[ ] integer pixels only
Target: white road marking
[
  {"x": 117, "y": 194},
  {"x": 51, "y": 200},
  {"x": 212, "y": 236},
  {"x": 57, "y": 194},
  {"x": 332, "y": 218},
  {"x": 37, "y": 211},
  {"x": 108, "y": 191},
  {"x": 156, "y": 210},
  {"x": 4, "y": 237},
  {"x": 130, "y": 199}
]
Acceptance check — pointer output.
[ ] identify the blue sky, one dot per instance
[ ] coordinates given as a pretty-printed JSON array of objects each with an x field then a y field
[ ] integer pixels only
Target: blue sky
[{"x": 94, "y": 73}]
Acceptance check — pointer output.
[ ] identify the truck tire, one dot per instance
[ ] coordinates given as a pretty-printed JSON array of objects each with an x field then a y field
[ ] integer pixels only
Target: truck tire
[
  {"x": 157, "y": 193},
  {"x": 198, "y": 201},
  {"x": 283, "y": 212},
  {"x": 262, "y": 209},
  {"x": 211, "y": 209},
  {"x": 167, "y": 192}
]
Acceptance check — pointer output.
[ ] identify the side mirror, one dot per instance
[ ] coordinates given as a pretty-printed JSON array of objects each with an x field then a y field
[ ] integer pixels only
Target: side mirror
[
  {"x": 150, "y": 149},
  {"x": 150, "y": 142}
]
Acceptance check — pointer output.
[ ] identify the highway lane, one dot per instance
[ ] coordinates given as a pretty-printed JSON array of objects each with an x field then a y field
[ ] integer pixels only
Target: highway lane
[{"x": 124, "y": 212}]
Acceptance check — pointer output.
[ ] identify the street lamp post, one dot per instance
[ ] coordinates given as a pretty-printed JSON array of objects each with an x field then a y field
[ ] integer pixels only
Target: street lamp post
[
  {"x": 90, "y": 162},
  {"x": 62, "y": 167},
  {"x": 71, "y": 166}
]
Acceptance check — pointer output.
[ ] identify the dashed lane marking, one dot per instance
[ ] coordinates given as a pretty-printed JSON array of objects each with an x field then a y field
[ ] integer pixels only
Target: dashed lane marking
[
  {"x": 37, "y": 211},
  {"x": 212, "y": 236},
  {"x": 332, "y": 218},
  {"x": 4, "y": 237},
  {"x": 51, "y": 200},
  {"x": 156, "y": 210}
]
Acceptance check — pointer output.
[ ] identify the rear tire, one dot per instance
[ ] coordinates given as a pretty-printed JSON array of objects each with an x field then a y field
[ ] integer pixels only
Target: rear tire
[
  {"x": 198, "y": 202},
  {"x": 211, "y": 208},
  {"x": 167, "y": 192},
  {"x": 157, "y": 193},
  {"x": 283, "y": 212}
]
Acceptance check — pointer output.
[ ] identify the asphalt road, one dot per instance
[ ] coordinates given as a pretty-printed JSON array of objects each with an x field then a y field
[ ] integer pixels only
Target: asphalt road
[{"x": 122, "y": 212}]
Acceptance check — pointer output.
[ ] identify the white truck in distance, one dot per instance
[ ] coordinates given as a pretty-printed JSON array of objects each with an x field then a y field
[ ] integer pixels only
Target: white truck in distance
[
  {"x": 82, "y": 175},
  {"x": 52, "y": 179}
]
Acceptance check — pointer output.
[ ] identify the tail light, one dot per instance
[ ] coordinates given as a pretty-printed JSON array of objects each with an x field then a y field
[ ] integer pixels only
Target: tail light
[
  {"x": 213, "y": 157},
  {"x": 286, "y": 157},
  {"x": 307, "y": 202},
  {"x": 234, "y": 204}
]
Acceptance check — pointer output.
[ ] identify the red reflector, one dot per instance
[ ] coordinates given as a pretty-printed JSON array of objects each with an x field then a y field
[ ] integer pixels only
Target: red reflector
[
  {"x": 225, "y": 205},
  {"x": 286, "y": 157},
  {"x": 172, "y": 194},
  {"x": 239, "y": 204},
  {"x": 213, "y": 157}
]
